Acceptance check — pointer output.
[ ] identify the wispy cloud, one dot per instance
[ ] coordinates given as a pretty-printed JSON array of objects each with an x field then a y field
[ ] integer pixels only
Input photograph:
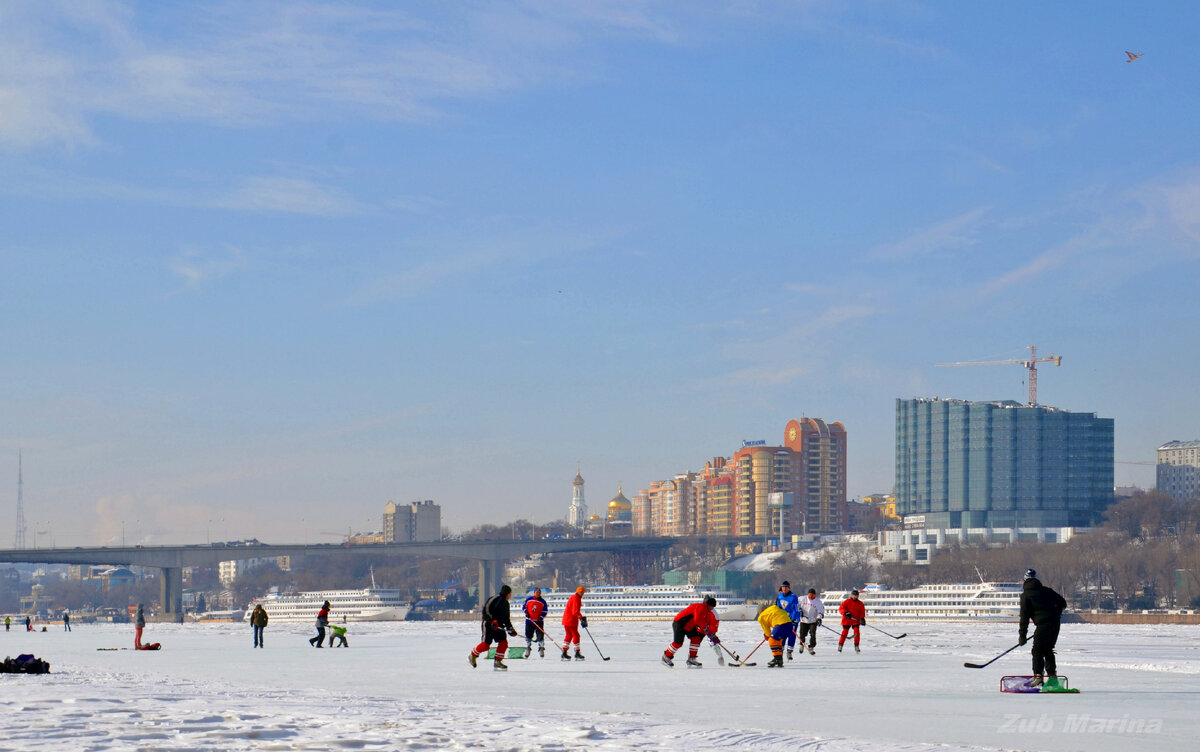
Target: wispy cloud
[
  {"x": 196, "y": 267},
  {"x": 262, "y": 193},
  {"x": 290, "y": 195},
  {"x": 949, "y": 234},
  {"x": 1147, "y": 225},
  {"x": 238, "y": 64},
  {"x": 454, "y": 257}
]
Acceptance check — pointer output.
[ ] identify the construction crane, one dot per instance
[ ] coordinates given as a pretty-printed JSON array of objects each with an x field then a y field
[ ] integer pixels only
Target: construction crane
[{"x": 1030, "y": 364}]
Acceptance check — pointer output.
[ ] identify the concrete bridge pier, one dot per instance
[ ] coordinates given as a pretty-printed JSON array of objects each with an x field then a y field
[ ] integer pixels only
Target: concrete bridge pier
[
  {"x": 171, "y": 594},
  {"x": 491, "y": 576}
]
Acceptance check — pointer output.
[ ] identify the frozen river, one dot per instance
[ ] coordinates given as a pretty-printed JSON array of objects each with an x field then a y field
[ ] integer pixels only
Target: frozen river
[{"x": 408, "y": 686}]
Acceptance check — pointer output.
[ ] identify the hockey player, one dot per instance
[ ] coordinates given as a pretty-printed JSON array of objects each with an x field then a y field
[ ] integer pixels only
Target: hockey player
[
  {"x": 1044, "y": 607},
  {"x": 497, "y": 627},
  {"x": 854, "y": 613},
  {"x": 788, "y": 601},
  {"x": 535, "y": 627},
  {"x": 695, "y": 622},
  {"x": 812, "y": 611},
  {"x": 777, "y": 627},
  {"x": 572, "y": 620}
]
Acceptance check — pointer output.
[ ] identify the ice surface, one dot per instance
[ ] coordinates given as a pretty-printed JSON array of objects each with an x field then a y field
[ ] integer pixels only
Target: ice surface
[{"x": 408, "y": 687}]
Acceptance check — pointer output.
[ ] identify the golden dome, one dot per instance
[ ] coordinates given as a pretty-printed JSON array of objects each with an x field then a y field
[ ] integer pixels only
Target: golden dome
[{"x": 619, "y": 506}]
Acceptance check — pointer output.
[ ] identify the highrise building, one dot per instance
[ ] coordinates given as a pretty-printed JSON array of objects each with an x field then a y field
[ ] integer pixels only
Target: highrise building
[
  {"x": 409, "y": 523},
  {"x": 1178, "y": 469},
  {"x": 577, "y": 516},
  {"x": 733, "y": 496},
  {"x": 1004, "y": 464}
]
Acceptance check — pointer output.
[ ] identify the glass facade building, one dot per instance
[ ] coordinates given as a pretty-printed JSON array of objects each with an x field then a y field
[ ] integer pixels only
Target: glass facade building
[{"x": 1001, "y": 464}]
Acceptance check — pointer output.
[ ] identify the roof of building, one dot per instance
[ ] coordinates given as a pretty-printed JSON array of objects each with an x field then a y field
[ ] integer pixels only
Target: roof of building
[{"x": 1181, "y": 445}]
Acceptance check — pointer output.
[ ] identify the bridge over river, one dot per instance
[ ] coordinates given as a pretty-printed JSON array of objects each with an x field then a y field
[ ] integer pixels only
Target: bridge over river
[{"x": 491, "y": 555}]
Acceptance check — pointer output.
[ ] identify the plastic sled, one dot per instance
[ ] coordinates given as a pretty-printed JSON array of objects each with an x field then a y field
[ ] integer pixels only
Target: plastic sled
[{"x": 1021, "y": 685}]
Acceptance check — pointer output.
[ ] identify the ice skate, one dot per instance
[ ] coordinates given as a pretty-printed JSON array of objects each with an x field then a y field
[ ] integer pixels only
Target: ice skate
[
  {"x": 566, "y": 656},
  {"x": 857, "y": 649},
  {"x": 789, "y": 654},
  {"x": 578, "y": 656},
  {"x": 840, "y": 648},
  {"x": 471, "y": 659},
  {"x": 693, "y": 663},
  {"x": 541, "y": 651},
  {"x": 667, "y": 661},
  {"x": 498, "y": 665},
  {"x": 776, "y": 662},
  {"x": 811, "y": 651},
  {"x": 1036, "y": 681}
]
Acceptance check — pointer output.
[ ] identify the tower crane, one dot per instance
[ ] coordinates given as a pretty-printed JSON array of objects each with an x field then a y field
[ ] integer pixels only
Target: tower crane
[{"x": 1030, "y": 364}]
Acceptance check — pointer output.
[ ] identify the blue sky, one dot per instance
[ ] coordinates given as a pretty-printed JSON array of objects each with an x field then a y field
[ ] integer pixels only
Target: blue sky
[{"x": 264, "y": 267}]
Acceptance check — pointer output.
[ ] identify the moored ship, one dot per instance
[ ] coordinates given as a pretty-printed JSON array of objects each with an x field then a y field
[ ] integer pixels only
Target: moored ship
[
  {"x": 367, "y": 604},
  {"x": 980, "y": 601}
]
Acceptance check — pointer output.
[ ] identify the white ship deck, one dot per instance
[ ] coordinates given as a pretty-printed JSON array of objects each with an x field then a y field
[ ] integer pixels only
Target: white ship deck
[{"x": 981, "y": 601}]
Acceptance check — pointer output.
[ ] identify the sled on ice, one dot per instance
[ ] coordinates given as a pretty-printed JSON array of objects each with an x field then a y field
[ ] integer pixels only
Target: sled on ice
[{"x": 1024, "y": 685}]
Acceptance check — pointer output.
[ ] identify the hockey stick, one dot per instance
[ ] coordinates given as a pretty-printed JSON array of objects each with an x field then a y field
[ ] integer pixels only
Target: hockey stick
[
  {"x": 593, "y": 639},
  {"x": 877, "y": 629},
  {"x": 548, "y": 637},
  {"x": 747, "y": 658},
  {"x": 721, "y": 646},
  {"x": 981, "y": 665}
]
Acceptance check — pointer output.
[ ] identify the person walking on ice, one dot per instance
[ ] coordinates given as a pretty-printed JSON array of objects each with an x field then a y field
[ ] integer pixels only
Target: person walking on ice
[
  {"x": 572, "y": 620},
  {"x": 535, "y": 609},
  {"x": 1044, "y": 608},
  {"x": 322, "y": 622},
  {"x": 854, "y": 614},
  {"x": 812, "y": 612},
  {"x": 695, "y": 622},
  {"x": 497, "y": 628},
  {"x": 258, "y": 622}
]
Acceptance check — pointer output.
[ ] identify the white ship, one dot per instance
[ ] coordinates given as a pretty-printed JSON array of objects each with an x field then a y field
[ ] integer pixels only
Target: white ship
[
  {"x": 980, "y": 601},
  {"x": 369, "y": 604},
  {"x": 235, "y": 614},
  {"x": 648, "y": 602}
]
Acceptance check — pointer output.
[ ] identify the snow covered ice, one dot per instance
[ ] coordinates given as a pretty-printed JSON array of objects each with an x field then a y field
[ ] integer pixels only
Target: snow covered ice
[{"x": 407, "y": 686}]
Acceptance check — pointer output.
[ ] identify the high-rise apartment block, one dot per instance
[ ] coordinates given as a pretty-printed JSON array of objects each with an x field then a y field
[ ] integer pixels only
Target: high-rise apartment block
[
  {"x": 1178, "y": 469},
  {"x": 409, "y": 523},
  {"x": 732, "y": 496},
  {"x": 1004, "y": 464}
]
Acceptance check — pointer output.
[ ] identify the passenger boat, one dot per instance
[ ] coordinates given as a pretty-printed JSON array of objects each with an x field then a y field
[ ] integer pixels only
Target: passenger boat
[
  {"x": 648, "y": 602},
  {"x": 369, "y": 604},
  {"x": 979, "y": 601},
  {"x": 204, "y": 616}
]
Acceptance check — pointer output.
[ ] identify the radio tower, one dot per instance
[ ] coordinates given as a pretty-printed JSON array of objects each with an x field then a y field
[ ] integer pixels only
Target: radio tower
[{"x": 19, "y": 541}]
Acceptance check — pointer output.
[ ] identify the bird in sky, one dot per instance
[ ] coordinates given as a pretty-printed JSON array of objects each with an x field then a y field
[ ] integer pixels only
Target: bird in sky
[{"x": 1132, "y": 56}]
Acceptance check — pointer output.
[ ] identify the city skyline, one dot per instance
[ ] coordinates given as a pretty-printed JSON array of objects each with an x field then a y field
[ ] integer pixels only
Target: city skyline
[{"x": 266, "y": 268}]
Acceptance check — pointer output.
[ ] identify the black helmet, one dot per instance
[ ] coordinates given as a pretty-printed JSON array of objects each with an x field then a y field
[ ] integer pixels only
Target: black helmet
[{"x": 710, "y": 601}]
